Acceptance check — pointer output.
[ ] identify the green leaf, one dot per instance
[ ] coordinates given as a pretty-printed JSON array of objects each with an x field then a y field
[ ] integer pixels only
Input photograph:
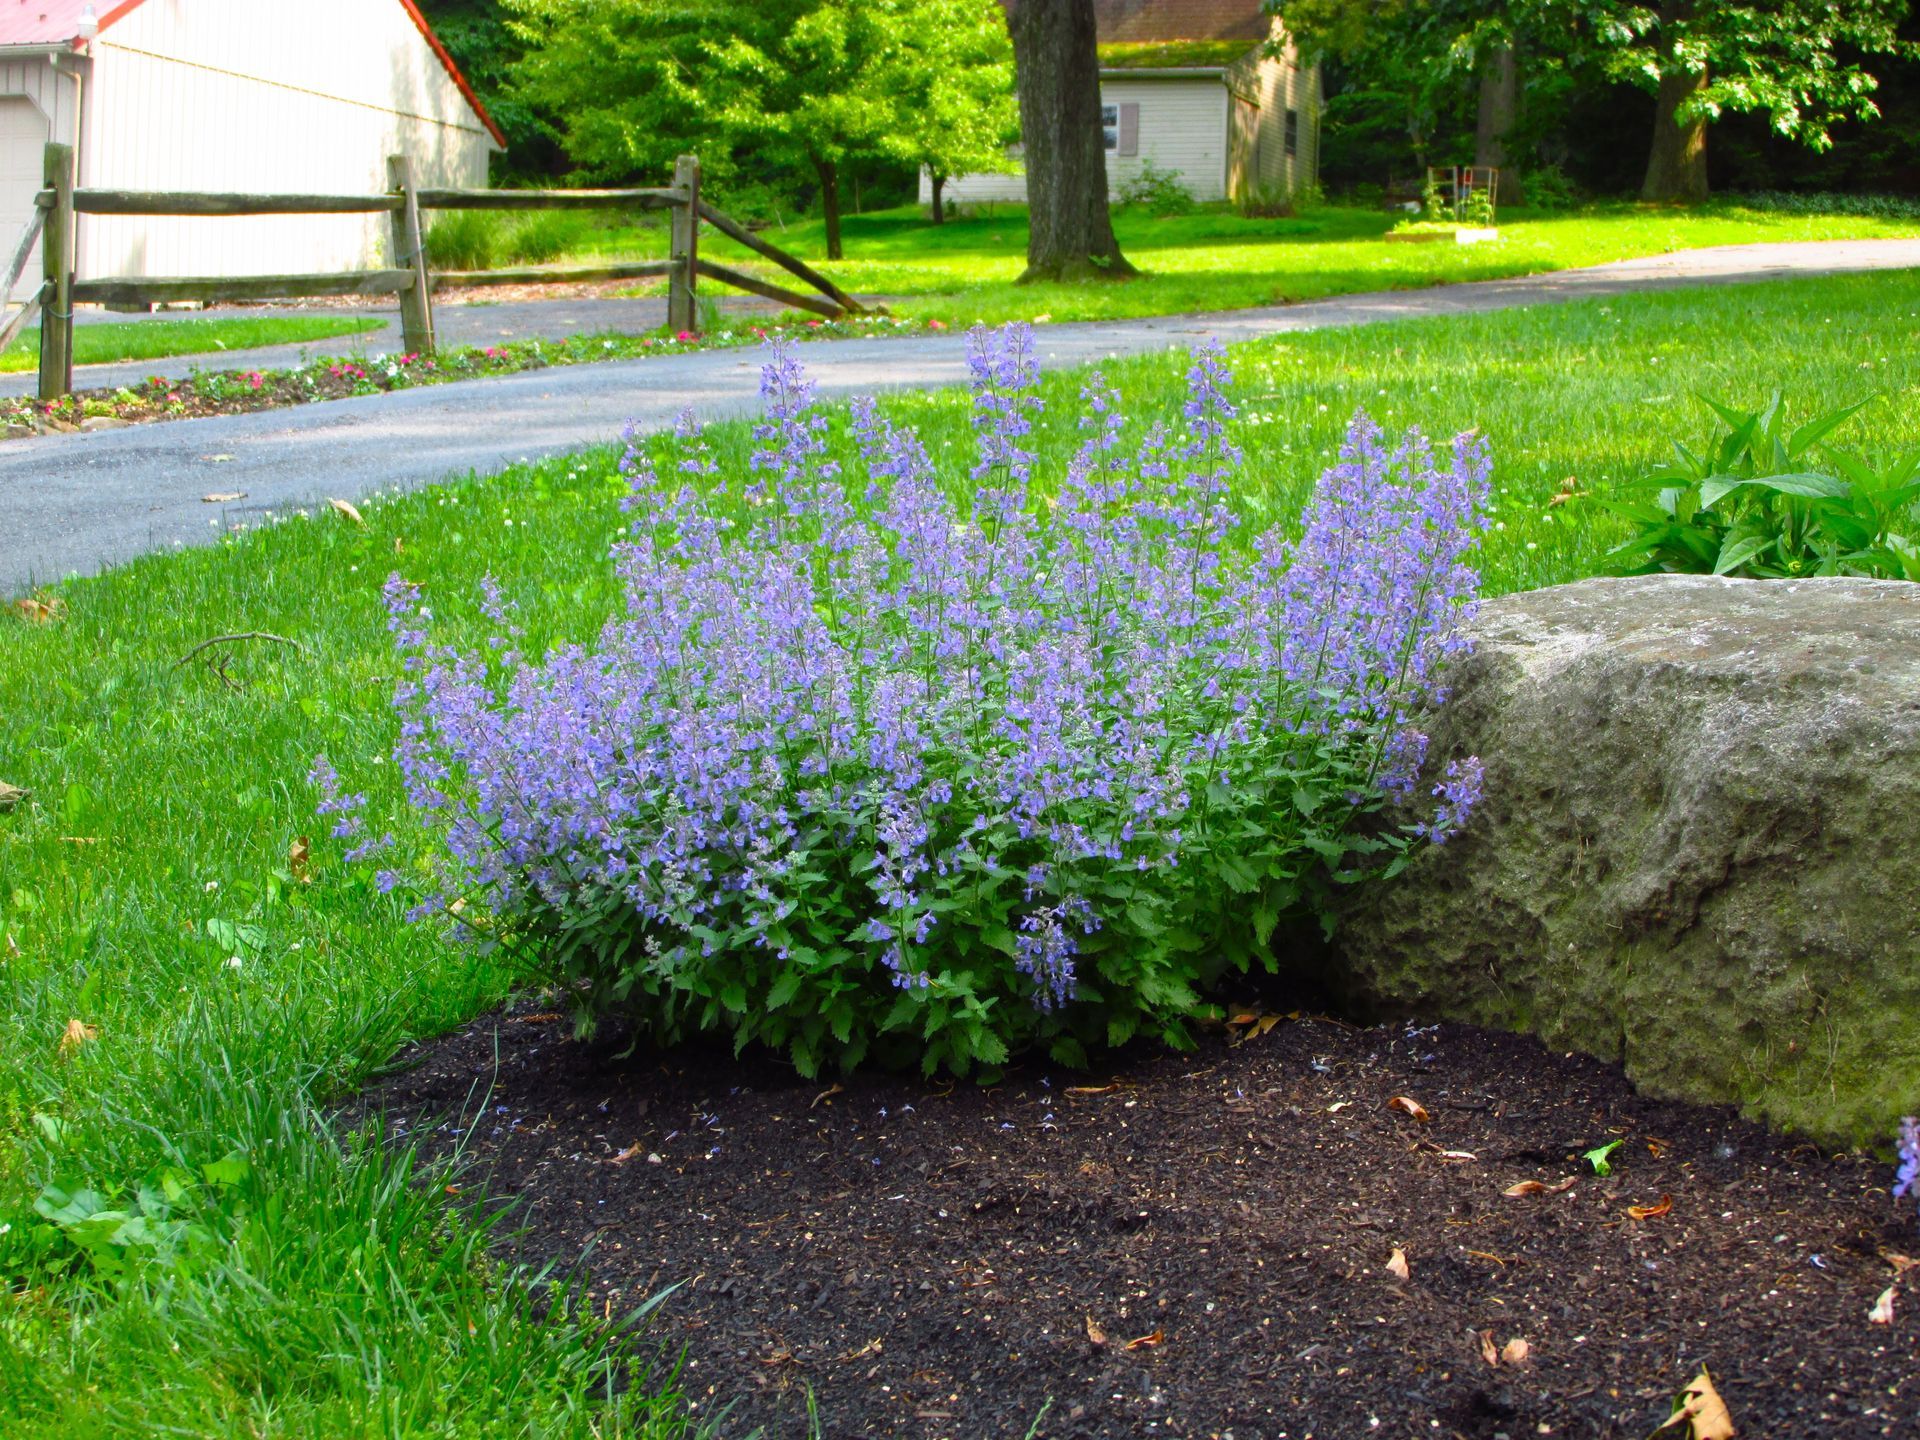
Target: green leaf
[
  {"x": 228, "y": 1170},
  {"x": 1069, "y": 1052},
  {"x": 1821, "y": 426},
  {"x": 784, "y": 989},
  {"x": 1811, "y": 484},
  {"x": 1735, "y": 553}
]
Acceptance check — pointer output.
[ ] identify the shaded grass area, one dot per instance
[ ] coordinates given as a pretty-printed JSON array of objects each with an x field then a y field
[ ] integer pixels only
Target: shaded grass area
[
  {"x": 111, "y": 341},
  {"x": 338, "y": 1295},
  {"x": 1213, "y": 259}
]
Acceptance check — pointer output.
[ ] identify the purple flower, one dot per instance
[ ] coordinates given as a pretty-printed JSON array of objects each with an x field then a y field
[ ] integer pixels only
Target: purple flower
[
  {"x": 890, "y": 723},
  {"x": 1906, "y": 1179}
]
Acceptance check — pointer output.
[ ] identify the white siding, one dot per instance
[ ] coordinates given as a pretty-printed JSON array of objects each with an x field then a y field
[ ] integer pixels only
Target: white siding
[
  {"x": 37, "y": 104},
  {"x": 1277, "y": 84},
  {"x": 291, "y": 95},
  {"x": 1183, "y": 128}
]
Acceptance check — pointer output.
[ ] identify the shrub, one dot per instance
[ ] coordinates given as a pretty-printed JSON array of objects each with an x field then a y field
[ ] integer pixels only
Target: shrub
[
  {"x": 487, "y": 239},
  {"x": 1262, "y": 201},
  {"x": 465, "y": 240},
  {"x": 1755, "y": 505},
  {"x": 1548, "y": 188},
  {"x": 1159, "y": 190},
  {"x": 865, "y": 769},
  {"x": 1821, "y": 202},
  {"x": 543, "y": 235}
]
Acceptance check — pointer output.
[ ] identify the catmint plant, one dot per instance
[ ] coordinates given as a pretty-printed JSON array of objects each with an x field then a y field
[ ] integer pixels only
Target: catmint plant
[
  {"x": 1906, "y": 1176},
  {"x": 875, "y": 760}
]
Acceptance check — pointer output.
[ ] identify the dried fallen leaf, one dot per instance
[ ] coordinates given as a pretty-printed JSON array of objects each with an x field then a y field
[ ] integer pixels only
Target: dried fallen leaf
[
  {"x": 40, "y": 609},
  {"x": 1882, "y": 1312},
  {"x": 346, "y": 508},
  {"x": 1094, "y": 1332},
  {"x": 77, "y": 1033},
  {"x": 834, "y": 1089},
  {"x": 1900, "y": 1263},
  {"x": 1487, "y": 1351},
  {"x": 1651, "y": 1212},
  {"x": 1515, "y": 1352},
  {"x": 1461, "y": 1155},
  {"x": 223, "y": 497},
  {"x": 1569, "y": 490},
  {"x": 299, "y": 860},
  {"x": 12, "y": 796},
  {"x": 1091, "y": 1089},
  {"x": 1338, "y": 1106},
  {"x": 1410, "y": 1106},
  {"x": 1657, "y": 1148},
  {"x": 399, "y": 545},
  {"x": 1702, "y": 1410},
  {"x": 1397, "y": 1264},
  {"x": 1540, "y": 1187},
  {"x": 1147, "y": 1342}
]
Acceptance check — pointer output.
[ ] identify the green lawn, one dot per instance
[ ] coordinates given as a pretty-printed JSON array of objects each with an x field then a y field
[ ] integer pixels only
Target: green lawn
[
  {"x": 110, "y": 341},
  {"x": 1214, "y": 260},
  {"x": 333, "y": 1298}
]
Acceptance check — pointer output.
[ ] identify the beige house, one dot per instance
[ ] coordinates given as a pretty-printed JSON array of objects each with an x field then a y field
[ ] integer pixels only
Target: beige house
[
  {"x": 264, "y": 95},
  {"x": 1186, "y": 86}
]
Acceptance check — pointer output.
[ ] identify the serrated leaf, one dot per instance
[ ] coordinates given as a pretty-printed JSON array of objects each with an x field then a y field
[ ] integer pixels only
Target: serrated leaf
[{"x": 783, "y": 989}]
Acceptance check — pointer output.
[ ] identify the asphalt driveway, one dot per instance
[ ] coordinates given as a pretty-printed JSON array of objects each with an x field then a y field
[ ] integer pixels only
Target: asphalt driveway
[{"x": 74, "y": 504}]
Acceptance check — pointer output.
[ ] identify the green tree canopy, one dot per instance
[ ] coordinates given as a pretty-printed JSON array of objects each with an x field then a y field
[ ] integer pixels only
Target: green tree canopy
[
  {"x": 959, "y": 114},
  {"x": 762, "y": 85},
  {"x": 1802, "y": 63},
  {"x": 1799, "y": 62}
]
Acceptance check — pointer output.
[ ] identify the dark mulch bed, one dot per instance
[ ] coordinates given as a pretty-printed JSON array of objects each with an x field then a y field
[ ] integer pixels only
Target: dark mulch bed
[{"x": 936, "y": 1260}]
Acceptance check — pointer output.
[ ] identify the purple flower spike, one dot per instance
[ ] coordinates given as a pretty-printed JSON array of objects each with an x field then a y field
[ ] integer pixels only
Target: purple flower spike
[
  {"x": 911, "y": 757},
  {"x": 1906, "y": 1179}
]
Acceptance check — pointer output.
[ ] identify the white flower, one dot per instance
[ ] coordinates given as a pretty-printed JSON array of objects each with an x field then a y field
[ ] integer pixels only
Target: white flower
[
  {"x": 234, "y": 962},
  {"x": 211, "y": 886}
]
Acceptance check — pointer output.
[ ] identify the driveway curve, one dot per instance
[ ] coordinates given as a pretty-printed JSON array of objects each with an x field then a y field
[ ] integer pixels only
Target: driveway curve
[{"x": 75, "y": 504}]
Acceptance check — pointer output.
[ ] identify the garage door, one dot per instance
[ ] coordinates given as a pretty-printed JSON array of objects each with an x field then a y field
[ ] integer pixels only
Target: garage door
[{"x": 23, "y": 140}]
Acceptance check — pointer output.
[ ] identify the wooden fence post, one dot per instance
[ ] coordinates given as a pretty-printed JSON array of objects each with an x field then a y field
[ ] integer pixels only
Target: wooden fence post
[
  {"x": 685, "y": 251},
  {"x": 56, "y": 265},
  {"x": 410, "y": 253}
]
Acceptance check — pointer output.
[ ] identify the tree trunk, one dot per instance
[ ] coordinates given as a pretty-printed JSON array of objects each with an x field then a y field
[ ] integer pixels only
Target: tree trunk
[
  {"x": 829, "y": 174},
  {"x": 1677, "y": 166},
  {"x": 1677, "y": 163},
  {"x": 1499, "y": 100},
  {"x": 939, "y": 208},
  {"x": 1057, "y": 75}
]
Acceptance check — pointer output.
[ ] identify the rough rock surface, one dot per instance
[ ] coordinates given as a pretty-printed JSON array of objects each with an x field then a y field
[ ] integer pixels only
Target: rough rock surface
[{"x": 1699, "y": 852}]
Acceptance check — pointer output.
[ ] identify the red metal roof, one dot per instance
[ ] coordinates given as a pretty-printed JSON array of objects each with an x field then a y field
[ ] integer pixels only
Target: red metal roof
[
  {"x": 53, "y": 22},
  {"x": 57, "y": 22}
]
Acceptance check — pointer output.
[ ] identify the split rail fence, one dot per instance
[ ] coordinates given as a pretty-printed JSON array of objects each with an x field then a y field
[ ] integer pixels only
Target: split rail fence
[{"x": 410, "y": 279}]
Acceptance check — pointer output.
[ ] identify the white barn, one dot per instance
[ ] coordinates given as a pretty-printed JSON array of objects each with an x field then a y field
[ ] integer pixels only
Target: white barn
[
  {"x": 1185, "y": 86},
  {"x": 308, "y": 96}
]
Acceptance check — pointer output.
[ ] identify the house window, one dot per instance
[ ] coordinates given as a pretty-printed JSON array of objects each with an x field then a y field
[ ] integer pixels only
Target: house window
[
  {"x": 1293, "y": 132},
  {"x": 1110, "y": 126}
]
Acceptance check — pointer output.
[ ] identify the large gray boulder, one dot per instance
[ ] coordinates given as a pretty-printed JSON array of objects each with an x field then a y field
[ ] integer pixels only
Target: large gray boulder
[{"x": 1699, "y": 852}]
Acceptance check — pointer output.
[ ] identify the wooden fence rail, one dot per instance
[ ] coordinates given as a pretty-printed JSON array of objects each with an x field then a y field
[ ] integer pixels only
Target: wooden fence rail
[{"x": 409, "y": 277}]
